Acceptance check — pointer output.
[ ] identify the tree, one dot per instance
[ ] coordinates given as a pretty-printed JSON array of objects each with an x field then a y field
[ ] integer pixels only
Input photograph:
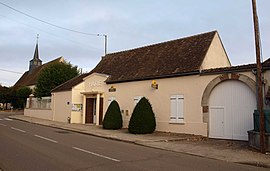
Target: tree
[
  {"x": 143, "y": 119},
  {"x": 52, "y": 76},
  {"x": 5, "y": 96},
  {"x": 113, "y": 117},
  {"x": 22, "y": 94}
]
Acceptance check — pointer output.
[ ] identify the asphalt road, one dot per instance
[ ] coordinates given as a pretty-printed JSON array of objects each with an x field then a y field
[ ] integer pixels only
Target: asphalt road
[{"x": 30, "y": 147}]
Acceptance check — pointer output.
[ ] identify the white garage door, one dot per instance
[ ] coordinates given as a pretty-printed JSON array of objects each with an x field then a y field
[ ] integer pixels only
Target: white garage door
[{"x": 231, "y": 107}]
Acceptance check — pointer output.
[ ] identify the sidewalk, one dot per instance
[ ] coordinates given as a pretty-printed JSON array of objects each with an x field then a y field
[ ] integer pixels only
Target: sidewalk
[{"x": 226, "y": 150}]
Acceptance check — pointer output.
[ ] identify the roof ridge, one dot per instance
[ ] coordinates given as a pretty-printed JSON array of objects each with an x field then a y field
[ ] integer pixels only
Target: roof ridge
[
  {"x": 151, "y": 45},
  {"x": 69, "y": 81},
  {"x": 267, "y": 60},
  {"x": 49, "y": 62},
  {"x": 31, "y": 77}
]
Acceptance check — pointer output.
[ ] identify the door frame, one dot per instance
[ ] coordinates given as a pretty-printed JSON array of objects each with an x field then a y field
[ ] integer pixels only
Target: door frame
[
  {"x": 236, "y": 117},
  {"x": 90, "y": 108},
  {"x": 213, "y": 83}
]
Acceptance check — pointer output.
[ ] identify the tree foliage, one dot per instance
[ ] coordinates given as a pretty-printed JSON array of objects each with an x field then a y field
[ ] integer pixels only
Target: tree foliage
[
  {"x": 113, "y": 117},
  {"x": 5, "y": 95},
  {"x": 52, "y": 76},
  {"x": 15, "y": 96},
  {"x": 143, "y": 119},
  {"x": 22, "y": 94}
]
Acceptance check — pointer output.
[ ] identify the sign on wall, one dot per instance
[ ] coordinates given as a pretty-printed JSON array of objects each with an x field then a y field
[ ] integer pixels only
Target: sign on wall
[
  {"x": 95, "y": 84},
  {"x": 76, "y": 107}
]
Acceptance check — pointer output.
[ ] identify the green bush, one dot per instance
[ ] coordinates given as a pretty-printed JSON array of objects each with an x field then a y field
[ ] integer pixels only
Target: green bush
[
  {"x": 113, "y": 117},
  {"x": 143, "y": 119}
]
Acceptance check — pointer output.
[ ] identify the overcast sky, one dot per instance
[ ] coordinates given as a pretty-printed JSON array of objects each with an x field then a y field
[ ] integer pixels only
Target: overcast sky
[{"x": 128, "y": 24}]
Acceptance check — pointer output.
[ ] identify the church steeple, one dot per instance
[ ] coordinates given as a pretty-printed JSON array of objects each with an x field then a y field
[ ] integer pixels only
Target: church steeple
[{"x": 35, "y": 62}]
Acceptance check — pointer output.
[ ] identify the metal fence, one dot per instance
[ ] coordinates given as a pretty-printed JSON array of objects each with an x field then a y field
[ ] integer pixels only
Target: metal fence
[{"x": 39, "y": 103}]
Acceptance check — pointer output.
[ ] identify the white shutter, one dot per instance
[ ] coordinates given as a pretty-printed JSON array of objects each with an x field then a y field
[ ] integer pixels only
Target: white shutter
[
  {"x": 173, "y": 116},
  {"x": 177, "y": 108},
  {"x": 180, "y": 107}
]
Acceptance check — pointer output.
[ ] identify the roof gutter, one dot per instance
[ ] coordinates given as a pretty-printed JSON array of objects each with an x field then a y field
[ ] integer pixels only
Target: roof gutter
[
  {"x": 222, "y": 72},
  {"x": 205, "y": 72},
  {"x": 156, "y": 77}
]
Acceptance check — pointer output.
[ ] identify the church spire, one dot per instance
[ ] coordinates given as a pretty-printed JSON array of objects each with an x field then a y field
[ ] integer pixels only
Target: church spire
[
  {"x": 35, "y": 62},
  {"x": 36, "y": 55}
]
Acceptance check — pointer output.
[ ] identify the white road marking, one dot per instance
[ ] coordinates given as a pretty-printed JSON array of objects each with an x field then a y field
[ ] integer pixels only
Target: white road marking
[
  {"x": 18, "y": 129},
  {"x": 7, "y": 119},
  {"x": 3, "y": 124},
  {"x": 48, "y": 139},
  {"x": 99, "y": 155}
]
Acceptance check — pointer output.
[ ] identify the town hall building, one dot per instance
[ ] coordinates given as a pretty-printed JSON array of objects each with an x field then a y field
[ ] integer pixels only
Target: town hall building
[{"x": 189, "y": 82}]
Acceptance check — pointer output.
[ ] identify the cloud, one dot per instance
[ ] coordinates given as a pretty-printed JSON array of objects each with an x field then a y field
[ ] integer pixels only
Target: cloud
[{"x": 128, "y": 24}]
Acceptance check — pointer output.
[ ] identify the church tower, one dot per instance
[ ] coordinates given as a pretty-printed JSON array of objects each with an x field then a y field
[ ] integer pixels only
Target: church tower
[{"x": 35, "y": 62}]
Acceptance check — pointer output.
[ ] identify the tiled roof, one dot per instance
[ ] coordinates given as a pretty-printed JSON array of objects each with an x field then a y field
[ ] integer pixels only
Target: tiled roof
[
  {"x": 29, "y": 79},
  {"x": 247, "y": 67},
  {"x": 2, "y": 88},
  {"x": 266, "y": 63},
  {"x": 70, "y": 83},
  {"x": 174, "y": 57}
]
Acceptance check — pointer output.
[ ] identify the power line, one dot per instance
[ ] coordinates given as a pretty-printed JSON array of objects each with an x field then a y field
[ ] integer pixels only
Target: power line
[
  {"x": 60, "y": 27},
  {"x": 51, "y": 24},
  {"x": 15, "y": 72},
  {"x": 49, "y": 33}
]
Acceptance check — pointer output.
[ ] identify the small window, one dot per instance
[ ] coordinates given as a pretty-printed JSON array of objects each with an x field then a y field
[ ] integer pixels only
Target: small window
[
  {"x": 137, "y": 99},
  {"x": 110, "y": 99},
  {"x": 177, "y": 109}
]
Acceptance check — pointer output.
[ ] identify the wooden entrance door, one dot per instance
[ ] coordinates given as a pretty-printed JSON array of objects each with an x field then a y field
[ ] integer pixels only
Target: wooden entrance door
[
  {"x": 100, "y": 111},
  {"x": 89, "y": 110}
]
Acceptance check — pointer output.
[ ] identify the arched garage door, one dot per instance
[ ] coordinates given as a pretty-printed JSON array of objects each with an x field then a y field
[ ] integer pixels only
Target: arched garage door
[{"x": 231, "y": 106}]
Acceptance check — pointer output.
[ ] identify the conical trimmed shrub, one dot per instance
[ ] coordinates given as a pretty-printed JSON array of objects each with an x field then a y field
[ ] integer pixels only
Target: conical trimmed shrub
[
  {"x": 113, "y": 117},
  {"x": 143, "y": 119}
]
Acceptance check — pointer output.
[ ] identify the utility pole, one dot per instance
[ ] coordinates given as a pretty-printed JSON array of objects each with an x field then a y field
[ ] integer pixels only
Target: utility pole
[
  {"x": 105, "y": 42},
  {"x": 259, "y": 76},
  {"x": 105, "y": 37}
]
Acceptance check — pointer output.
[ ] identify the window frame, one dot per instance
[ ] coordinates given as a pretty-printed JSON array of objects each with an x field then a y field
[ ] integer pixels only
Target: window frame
[
  {"x": 136, "y": 100},
  {"x": 177, "y": 117},
  {"x": 110, "y": 99}
]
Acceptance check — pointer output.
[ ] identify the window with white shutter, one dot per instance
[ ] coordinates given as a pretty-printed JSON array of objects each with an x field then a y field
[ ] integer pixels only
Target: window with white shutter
[
  {"x": 137, "y": 99},
  {"x": 110, "y": 99},
  {"x": 177, "y": 109}
]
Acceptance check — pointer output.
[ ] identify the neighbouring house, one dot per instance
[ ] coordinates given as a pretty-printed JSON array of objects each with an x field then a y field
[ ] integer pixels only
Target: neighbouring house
[
  {"x": 29, "y": 78},
  {"x": 190, "y": 83}
]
